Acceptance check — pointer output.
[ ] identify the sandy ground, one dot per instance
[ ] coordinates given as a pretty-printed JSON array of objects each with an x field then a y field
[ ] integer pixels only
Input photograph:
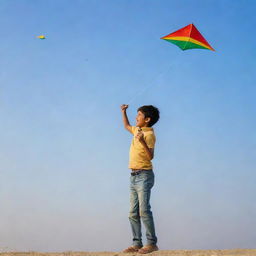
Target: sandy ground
[{"x": 235, "y": 252}]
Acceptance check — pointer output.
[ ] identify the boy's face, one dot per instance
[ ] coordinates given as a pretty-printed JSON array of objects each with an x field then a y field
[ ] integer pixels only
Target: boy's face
[{"x": 141, "y": 121}]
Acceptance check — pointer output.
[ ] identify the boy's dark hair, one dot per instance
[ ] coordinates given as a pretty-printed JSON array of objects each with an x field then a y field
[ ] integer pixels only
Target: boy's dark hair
[{"x": 150, "y": 111}]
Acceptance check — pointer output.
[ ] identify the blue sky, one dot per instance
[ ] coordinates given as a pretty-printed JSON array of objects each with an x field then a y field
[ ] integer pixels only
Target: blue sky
[{"x": 64, "y": 154}]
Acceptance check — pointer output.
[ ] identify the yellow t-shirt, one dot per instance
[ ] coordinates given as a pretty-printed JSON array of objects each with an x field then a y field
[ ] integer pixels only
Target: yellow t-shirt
[{"x": 138, "y": 156}]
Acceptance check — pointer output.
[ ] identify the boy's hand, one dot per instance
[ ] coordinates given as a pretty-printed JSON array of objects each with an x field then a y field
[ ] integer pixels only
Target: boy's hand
[
  {"x": 124, "y": 107},
  {"x": 149, "y": 151},
  {"x": 140, "y": 136}
]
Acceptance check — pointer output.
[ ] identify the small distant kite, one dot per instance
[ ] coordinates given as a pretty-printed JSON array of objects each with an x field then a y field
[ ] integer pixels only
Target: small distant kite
[
  {"x": 188, "y": 38},
  {"x": 41, "y": 37}
]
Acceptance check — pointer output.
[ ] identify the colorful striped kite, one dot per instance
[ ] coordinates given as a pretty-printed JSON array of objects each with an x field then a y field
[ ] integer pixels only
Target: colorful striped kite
[{"x": 188, "y": 38}]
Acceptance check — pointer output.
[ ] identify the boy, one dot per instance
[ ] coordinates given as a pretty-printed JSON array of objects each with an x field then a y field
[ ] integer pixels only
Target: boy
[{"x": 142, "y": 177}]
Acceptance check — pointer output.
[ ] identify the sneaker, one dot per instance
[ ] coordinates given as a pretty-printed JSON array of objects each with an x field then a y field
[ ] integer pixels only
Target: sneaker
[
  {"x": 148, "y": 249},
  {"x": 134, "y": 248}
]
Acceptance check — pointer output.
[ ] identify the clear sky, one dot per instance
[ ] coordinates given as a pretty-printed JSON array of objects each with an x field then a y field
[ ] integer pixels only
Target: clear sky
[{"x": 64, "y": 177}]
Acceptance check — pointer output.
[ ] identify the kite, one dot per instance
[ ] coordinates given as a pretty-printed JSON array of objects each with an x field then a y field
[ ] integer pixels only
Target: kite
[
  {"x": 41, "y": 37},
  {"x": 188, "y": 38}
]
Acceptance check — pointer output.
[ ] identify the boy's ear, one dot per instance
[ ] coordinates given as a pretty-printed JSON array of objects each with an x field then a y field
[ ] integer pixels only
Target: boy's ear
[{"x": 147, "y": 120}]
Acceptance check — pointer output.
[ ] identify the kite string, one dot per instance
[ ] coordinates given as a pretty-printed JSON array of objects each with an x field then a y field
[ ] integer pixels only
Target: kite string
[{"x": 151, "y": 83}]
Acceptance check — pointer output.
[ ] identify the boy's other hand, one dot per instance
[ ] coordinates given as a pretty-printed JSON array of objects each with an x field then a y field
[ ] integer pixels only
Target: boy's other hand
[
  {"x": 124, "y": 107},
  {"x": 140, "y": 136}
]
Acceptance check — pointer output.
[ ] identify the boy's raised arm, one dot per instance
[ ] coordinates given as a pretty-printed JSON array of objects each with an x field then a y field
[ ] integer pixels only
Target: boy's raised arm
[{"x": 127, "y": 125}]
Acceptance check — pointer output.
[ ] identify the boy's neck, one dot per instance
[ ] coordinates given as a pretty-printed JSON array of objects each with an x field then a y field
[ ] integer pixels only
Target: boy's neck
[{"x": 144, "y": 127}]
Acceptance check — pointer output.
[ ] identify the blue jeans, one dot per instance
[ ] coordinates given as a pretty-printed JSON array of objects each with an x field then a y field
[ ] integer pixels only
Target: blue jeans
[{"x": 140, "y": 188}]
